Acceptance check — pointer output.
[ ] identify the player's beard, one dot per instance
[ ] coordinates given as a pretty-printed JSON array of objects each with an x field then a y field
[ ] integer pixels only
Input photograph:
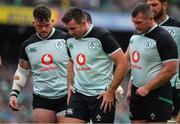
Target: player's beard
[{"x": 159, "y": 14}]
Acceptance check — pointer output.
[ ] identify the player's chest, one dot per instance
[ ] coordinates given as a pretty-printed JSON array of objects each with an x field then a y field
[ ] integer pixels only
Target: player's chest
[
  {"x": 142, "y": 47},
  {"x": 52, "y": 50},
  {"x": 90, "y": 49}
]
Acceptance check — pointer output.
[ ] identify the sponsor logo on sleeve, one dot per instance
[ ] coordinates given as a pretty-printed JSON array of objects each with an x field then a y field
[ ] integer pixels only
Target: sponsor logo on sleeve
[
  {"x": 32, "y": 50},
  {"x": 70, "y": 46}
]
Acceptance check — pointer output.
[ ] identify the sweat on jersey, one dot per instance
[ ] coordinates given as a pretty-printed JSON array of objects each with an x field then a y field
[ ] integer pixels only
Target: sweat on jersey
[
  {"x": 48, "y": 59},
  {"x": 173, "y": 27},
  {"x": 93, "y": 66},
  {"x": 148, "y": 52}
]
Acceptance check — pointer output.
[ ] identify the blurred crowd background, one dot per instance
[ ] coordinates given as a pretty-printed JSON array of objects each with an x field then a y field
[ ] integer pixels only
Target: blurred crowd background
[
  {"x": 15, "y": 27},
  {"x": 97, "y": 5}
]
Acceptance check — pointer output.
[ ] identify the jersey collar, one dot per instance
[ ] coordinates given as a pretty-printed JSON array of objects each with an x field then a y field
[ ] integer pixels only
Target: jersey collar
[
  {"x": 90, "y": 28},
  {"x": 167, "y": 17},
  {"x": 150, "y": 29},
  {"x": 52, "y": 32}
]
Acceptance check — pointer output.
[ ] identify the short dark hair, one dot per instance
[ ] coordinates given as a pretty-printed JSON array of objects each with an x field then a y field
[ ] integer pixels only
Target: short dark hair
[
  {"x": 141, "y": 7},
  {"x": 88, "y": 16},
  {"x": 74, "y": 13},
  {"x": 42, "y": 13}
]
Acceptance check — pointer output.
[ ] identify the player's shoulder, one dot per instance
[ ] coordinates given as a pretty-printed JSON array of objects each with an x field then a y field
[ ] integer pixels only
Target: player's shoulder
[
  {"x": 163, "y": 35},
  {"x": 60, "y": 34},
  {"x": 172, "y": 22},
  {"x": 160, "y": 30},
  {"x": 32, "y": 39},
  {"x": 158, "y": 33},
  {"x": 98, "y": 32}
]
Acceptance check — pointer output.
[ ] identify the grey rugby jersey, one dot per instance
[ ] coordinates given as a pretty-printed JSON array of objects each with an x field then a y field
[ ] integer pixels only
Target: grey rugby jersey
[
  {"x": 92, "y": 64},
  {"x": 173, "y": 27},
  {"x": 48, "y": 60},
  {"x": 148, "y": 52}
]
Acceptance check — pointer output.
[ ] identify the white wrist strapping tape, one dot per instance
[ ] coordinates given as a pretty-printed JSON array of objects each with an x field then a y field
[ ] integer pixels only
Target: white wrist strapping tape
[{"x": 20, "y": 78}]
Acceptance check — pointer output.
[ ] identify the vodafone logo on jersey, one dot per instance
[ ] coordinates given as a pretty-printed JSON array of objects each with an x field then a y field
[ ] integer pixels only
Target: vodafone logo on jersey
[
  {"x": 47, "y": 59},
  {"x": 135, "y": 56},
  {"x": 81, "y": 59}
]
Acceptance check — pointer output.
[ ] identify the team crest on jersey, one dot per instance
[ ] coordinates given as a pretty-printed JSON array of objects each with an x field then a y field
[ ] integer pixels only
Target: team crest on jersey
[
  {"x": 148, "y": 46},
  {"x": 172, "y": 32},
  {"x": 92, "y": 45},
  {"x": 60, "y": 44}
]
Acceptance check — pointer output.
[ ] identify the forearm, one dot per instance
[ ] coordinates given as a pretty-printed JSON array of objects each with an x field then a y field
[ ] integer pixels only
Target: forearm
[
  {"x": 20, "y": 78},
  {"x": 119, "y": 75},
  {"x": 162, "y": 77},
  {"x": 70, "y": 74}
]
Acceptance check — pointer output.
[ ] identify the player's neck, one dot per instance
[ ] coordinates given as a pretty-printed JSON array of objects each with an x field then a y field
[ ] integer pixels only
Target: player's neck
[{"x": 162, "y": 19}]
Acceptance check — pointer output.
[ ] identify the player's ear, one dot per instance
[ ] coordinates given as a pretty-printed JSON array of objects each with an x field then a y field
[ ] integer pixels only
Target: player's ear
[{"x": 165, "y": 5}]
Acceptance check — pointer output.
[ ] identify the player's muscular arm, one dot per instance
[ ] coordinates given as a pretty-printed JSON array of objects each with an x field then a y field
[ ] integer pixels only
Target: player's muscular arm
[
  {"x": 70, "y": 77},
  {"x": 167, "y": 72},
  {"x": 127, "y": 55},
  {"x": 19, "y": 81},
  {"x": 70, "y": 72},
  {"x": 24, "y": 64},
  {"x": 21, "y": 75},
  {"x": 120, "y": 71},
  {"x": 163, "y": 77}
]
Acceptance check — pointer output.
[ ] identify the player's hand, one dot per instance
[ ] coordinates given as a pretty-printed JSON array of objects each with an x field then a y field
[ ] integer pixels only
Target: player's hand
[
  {"x": 13, "y": 104},
  {"x": 70, "y": 91},
  {"x": 142, "y": 91},
  {"x": 107, "y": 100}
]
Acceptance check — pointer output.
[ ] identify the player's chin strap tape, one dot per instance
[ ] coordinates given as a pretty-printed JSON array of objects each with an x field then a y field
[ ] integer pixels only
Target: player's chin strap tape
[{"x": 19, "y": 81}]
